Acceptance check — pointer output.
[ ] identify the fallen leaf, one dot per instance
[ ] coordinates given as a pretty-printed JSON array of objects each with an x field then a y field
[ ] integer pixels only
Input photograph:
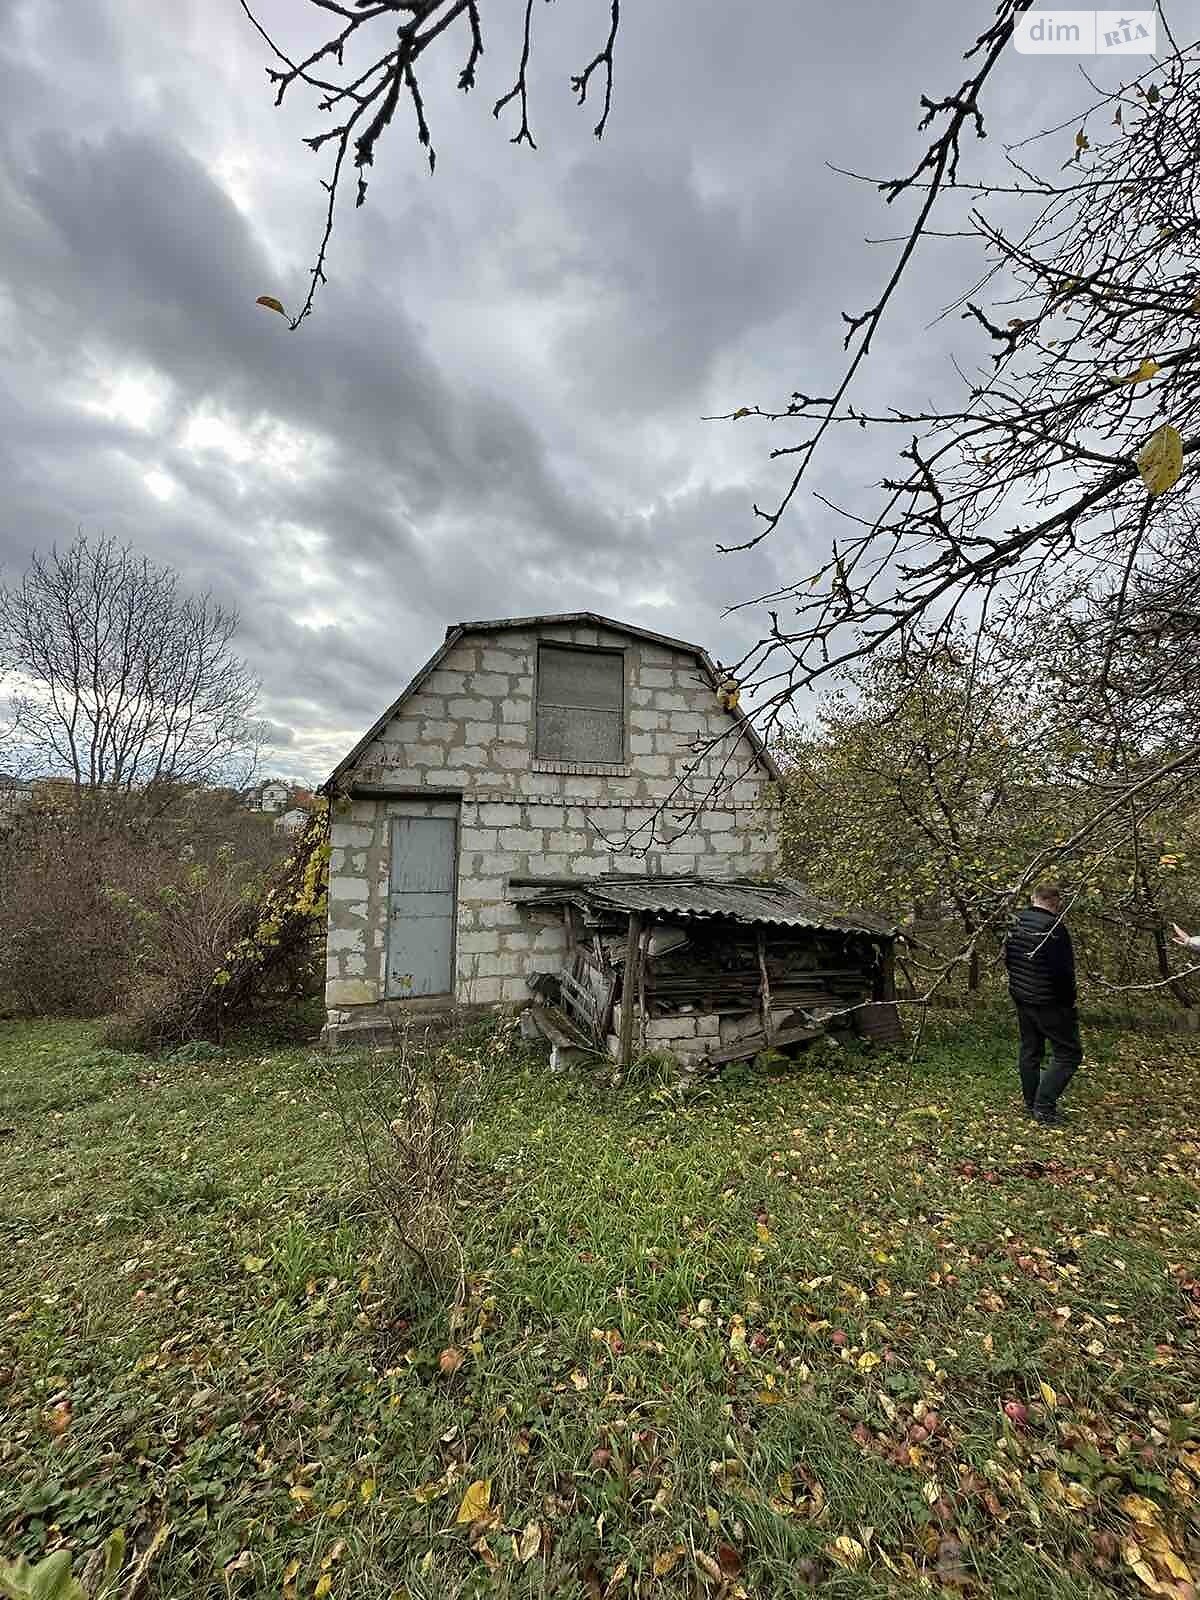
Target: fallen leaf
[
  {"x": 619, "y": 1573},
  {"x": 254, "y": 1263},
  {"x": 729, "y": 1561},
  {"x": 59, "y": 1418},
  {"x": 487, "y": 1555},
  {"x": 1140, "y": 1509},
  {"x": 324, "y": 1585},
  {"x": 476, "y": 1502},
  {"x": 1048, "y": 1394},
  {"x": 667, "y": 1562},
  {"x": 847, "y": 1552},
  {"x": 529, "y": 1544},
  {"x": 366, "y": 1489},
  {"x": 709, "y": 1567},
  {"x": 450, "y": 1360}
]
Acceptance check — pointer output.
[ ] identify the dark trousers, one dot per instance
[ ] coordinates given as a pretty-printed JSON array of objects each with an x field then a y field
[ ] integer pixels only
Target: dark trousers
[{"x": 1059, "y": 1025}]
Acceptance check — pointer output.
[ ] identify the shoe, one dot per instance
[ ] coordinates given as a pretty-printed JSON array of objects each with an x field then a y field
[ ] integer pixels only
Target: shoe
[
  {"x": 1029, "y": 1112},
  {"x": 1050, "y": 1119}
]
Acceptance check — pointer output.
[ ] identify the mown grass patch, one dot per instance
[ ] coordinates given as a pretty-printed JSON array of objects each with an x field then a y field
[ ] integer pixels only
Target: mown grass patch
[{"x": 759, "y": 1340}]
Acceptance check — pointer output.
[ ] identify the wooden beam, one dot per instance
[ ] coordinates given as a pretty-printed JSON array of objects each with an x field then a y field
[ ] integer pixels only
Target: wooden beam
[
  {"x": 633, "y": 950},
  {"x": 887, "y": 958},
  {"x": 765, "y": 988}
]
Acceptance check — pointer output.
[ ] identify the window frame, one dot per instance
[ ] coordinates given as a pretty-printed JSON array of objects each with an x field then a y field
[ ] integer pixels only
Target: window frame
[{"x": 541, "y": 756}]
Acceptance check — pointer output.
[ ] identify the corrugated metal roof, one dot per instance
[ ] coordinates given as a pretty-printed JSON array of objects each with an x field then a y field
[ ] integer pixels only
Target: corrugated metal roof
[{"x": 782, "y": 902}]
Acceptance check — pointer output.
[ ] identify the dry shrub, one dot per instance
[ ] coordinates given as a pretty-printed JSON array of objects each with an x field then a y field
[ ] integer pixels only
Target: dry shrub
[
  {"x": 101, "y": 903},
  {"x": 406, "y": 1119},
  {"x": 183, "y": 931},
  {"x": 64, "y": 948}
]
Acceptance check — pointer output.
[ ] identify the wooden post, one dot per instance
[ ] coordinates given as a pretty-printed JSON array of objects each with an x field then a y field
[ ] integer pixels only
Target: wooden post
[
  {"x": 633, "y": 950},
  {"x": 887, "y": 963},
  {"x": 643, "y": 958},
  {"x": 768, "y": 1028}
]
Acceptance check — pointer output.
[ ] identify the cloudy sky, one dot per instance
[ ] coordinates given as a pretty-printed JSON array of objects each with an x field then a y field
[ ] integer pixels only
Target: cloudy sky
[{"x": 496, "y": 407}]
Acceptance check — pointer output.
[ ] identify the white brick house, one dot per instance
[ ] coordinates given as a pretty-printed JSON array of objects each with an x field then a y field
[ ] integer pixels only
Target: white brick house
[{"x": 533, "y": 747}]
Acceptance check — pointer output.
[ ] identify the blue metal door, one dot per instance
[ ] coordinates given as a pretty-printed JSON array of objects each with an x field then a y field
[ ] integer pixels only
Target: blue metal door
[{"x": 421, "y": 907}]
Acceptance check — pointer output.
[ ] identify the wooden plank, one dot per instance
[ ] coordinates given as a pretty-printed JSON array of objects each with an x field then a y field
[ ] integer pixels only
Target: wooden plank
[
  {"x": 633, "y": 941},
  {"x": 754, "y": 1043}
]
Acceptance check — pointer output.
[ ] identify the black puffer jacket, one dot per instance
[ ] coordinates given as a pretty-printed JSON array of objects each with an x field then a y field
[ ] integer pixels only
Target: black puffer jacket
[{"x": 1040, "y": 959}]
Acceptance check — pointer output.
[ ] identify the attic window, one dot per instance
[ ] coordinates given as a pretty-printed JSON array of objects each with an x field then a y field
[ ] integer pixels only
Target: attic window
[{"x": 580, "y": 705}]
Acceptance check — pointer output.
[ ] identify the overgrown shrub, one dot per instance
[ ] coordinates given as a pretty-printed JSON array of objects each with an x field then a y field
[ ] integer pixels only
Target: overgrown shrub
[
  {"x": 111, "y": 907},
  {"x": 224, "y": 961}
]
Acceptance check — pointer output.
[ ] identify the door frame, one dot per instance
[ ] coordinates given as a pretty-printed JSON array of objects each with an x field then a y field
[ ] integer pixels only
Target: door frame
[{"x": 443, "y": 809}]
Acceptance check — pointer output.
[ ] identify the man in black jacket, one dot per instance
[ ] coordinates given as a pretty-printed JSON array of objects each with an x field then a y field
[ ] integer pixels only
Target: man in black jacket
[{"x": 1041, "y": 980}]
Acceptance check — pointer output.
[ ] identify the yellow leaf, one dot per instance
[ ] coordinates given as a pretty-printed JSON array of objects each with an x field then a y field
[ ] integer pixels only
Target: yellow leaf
[
  {"x": 254, "y": 1263},
  {"x": 301, "y": 1493},
  {"x": 476, "y": 1502},
  {"x": 763, "y": 1232},
  {"x": 271, "y": 304},
  {"x": 1140, "y": 1509},
  {"x": 1048, "y": 1394},
  {"x": 290, "y": 1571},
  {"x": 579, "y": 1380},
  {"x": 1143, "y": 374},
  {"x": 667, "y": 1561},
  {"x": 1081, "y": 141},
  {"x": 867, "y": 1360},
  {"x": 338, "y": 1509},
  {"x": 771, "y": 1397},
  {"x": 1160, "y": 460},
  {"x": 847, "y": 1552},
  {"x": 742, "y": 411},
  {"x": 324, "y": 1585},
  {"x": 530, "y": 1542},
  {"x": 366, "y": 1489}
]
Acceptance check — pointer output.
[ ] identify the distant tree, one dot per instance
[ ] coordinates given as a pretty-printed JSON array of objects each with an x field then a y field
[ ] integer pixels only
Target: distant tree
[
  {"x": 919, "y": 788},
  {"x": 122, "y": 679},
  {"x": 387, "y": 41}
]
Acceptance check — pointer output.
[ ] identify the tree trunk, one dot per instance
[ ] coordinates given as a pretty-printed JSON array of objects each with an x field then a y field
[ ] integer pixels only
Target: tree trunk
[{"x": 1162, "y": 955}]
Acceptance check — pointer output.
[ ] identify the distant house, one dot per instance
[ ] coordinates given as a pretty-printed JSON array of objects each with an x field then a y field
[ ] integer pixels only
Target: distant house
[
  {"x": 272, "y": 795},
  {"x": 292, "y": 821},
  {"x": 557, "y": 806}
]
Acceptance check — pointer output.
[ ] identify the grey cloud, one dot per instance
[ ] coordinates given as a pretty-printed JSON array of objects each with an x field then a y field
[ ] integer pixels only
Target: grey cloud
[{"x": 500, "y": 393}]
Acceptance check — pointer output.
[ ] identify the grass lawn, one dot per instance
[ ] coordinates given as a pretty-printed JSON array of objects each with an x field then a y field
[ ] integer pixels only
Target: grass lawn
[{"x": 758, "y": 1344}]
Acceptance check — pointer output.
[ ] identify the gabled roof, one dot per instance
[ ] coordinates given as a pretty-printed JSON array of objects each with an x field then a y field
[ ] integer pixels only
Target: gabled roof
[{"x": 592, "y": 619}]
